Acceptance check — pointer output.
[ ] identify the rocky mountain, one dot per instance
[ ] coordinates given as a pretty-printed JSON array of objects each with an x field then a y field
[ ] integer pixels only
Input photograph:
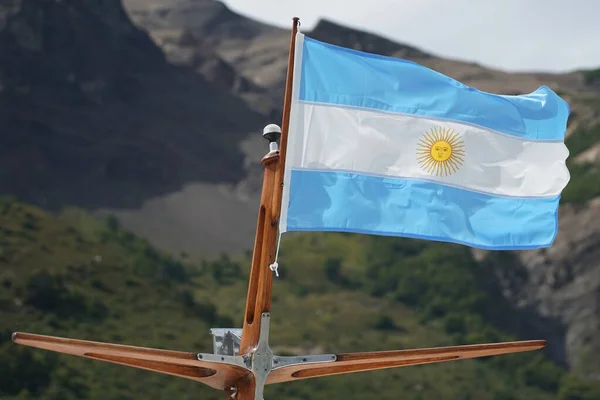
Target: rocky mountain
[
  {"x": 93, "y": 114},
  {"x": 153, "y": 111},
  {"x": 558, "y": 288},
  {"x": 563, "y": 283},
  {"x": 253, "y": 57}
]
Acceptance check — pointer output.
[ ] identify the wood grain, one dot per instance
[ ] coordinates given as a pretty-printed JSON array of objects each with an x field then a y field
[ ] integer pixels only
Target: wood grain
[
  {"x": 261, "y": 277},
  {"x": 369, "y": 361},
  {"x": 246, "y": 387},
  {"x": 258, "y": 299},
  {"x": 260, "y": 284},
  {"x": 177, "y": 363},
  {"x": 285, "y": 123}
]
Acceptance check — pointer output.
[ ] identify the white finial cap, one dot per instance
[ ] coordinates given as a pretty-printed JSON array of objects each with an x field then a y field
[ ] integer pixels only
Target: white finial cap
[{"x": 272, "y": 132}]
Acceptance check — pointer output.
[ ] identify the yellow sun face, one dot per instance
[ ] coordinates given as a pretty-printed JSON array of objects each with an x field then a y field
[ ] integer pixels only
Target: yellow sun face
[{"x": 440, "y": 152}]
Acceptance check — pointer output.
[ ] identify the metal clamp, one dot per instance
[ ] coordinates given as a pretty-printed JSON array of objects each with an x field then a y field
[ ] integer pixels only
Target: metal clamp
[
  {"x": 280, "y": 361},
  {"x": 262, "y": 357},
  {"x": 232, "y": 360},
  {"x": 259, "y": 361}
]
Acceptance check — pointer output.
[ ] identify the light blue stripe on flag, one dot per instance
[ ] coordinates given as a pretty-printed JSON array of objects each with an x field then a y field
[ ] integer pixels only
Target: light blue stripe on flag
[
  {"x": 341, "y": 76},
  {"x": 348, "y": 202}
]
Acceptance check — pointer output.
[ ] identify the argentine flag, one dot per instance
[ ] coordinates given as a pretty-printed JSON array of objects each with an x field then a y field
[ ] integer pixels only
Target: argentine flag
[{"x": 379, "y": 145}]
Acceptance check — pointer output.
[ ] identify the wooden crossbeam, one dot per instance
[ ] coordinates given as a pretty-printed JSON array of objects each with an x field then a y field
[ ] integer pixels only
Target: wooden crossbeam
[
  {"x": 177, "y": 363},
  {"x": 369, "y": 361},
  {"x": 225, "y": 376}
]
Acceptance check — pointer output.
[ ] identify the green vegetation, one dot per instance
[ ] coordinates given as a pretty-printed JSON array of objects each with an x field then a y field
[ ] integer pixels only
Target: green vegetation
[
  {"x": 71, "y": 276},
  {"x": 582, "y": 139},
  {"x": 585, "y": 177},
  {"x": 592, "y": 76},
  {"x": 573, "y": 388},
  {"x": 584, "y": 184}
]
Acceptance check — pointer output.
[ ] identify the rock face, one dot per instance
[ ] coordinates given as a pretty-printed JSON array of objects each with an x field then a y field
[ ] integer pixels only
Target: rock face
[
  {"x": 563, "y": 284},
  {"x": 218, "y": 43},
  {"x": 92, "y": 113}
]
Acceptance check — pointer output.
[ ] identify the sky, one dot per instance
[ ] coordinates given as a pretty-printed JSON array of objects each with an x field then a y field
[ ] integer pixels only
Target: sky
[{"x": 513, "y": 35}]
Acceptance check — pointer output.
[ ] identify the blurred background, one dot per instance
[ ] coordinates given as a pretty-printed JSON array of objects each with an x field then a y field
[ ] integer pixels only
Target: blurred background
[{"x": 130, "y": 141}]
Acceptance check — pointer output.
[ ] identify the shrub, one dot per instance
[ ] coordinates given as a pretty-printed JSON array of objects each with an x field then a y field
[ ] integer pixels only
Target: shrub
[
  {"x": 25, "y": 369},
  {"x": 582, "y": 139},
  {"x": 591, "y": 77},
  {"x": 224, "y": 270},
  {"x": 112, "y": 223},
  {"x": 47, "y": 292},
  {"x": 385, "y": 323},
  {"x": 573, "y": 388},
  {"x": 584, "y": 184}
]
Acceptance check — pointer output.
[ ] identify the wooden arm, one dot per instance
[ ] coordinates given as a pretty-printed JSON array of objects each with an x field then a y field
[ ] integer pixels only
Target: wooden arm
[
  {"x": 178, "y": 363},
  {"x": 369, "y": 361}
]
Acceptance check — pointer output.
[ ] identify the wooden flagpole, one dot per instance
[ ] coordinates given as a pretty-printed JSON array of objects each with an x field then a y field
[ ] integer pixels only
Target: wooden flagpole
[{"x": 260, "y": 284}]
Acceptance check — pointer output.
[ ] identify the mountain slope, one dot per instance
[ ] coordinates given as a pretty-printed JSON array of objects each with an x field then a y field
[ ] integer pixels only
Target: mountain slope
[
  {"x": 258, "y": 54},
  {"x": 559, "y": 286},
  {"x": 562, "y": 285},
  {"x": 71, "y": 276},
  {"x": 92, "y": 114}
]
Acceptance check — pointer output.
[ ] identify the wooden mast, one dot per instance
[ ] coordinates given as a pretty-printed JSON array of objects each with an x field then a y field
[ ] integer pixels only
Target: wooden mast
[
  {"x": 261, "y": 277},
  {"x": 260, "y": 284}
]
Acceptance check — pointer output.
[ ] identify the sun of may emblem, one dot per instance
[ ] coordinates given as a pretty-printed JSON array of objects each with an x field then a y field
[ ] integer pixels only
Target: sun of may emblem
[{"x": 440, "y": 151}]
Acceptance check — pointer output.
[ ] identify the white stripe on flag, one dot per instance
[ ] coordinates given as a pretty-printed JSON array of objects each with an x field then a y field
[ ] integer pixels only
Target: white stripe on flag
[{"x": 343, "y": 139}]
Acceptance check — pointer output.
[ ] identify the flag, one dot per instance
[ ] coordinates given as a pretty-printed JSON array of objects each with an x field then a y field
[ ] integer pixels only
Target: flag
[{"x": 384, "y": 146}]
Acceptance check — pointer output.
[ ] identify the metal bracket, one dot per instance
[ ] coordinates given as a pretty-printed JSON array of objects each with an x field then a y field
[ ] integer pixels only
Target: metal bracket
[
  {"x": 226, "y": 341},
  {"x": 262, "y": 357},
  {"x": 279, "y": 361},
  {"x": 259, "y": 361},
  {"x": 240, "y": 361}
]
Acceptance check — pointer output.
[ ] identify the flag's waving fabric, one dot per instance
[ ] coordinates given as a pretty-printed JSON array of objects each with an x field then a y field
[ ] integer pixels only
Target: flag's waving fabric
[{"x": 384, "y": 146}]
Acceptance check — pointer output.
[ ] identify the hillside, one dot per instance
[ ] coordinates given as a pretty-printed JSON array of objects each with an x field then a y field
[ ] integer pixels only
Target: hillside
[
  {"x": 152, "y": 112},
  {"x": 556, "y": 287},
  {"x": 72, "y": 276}
]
